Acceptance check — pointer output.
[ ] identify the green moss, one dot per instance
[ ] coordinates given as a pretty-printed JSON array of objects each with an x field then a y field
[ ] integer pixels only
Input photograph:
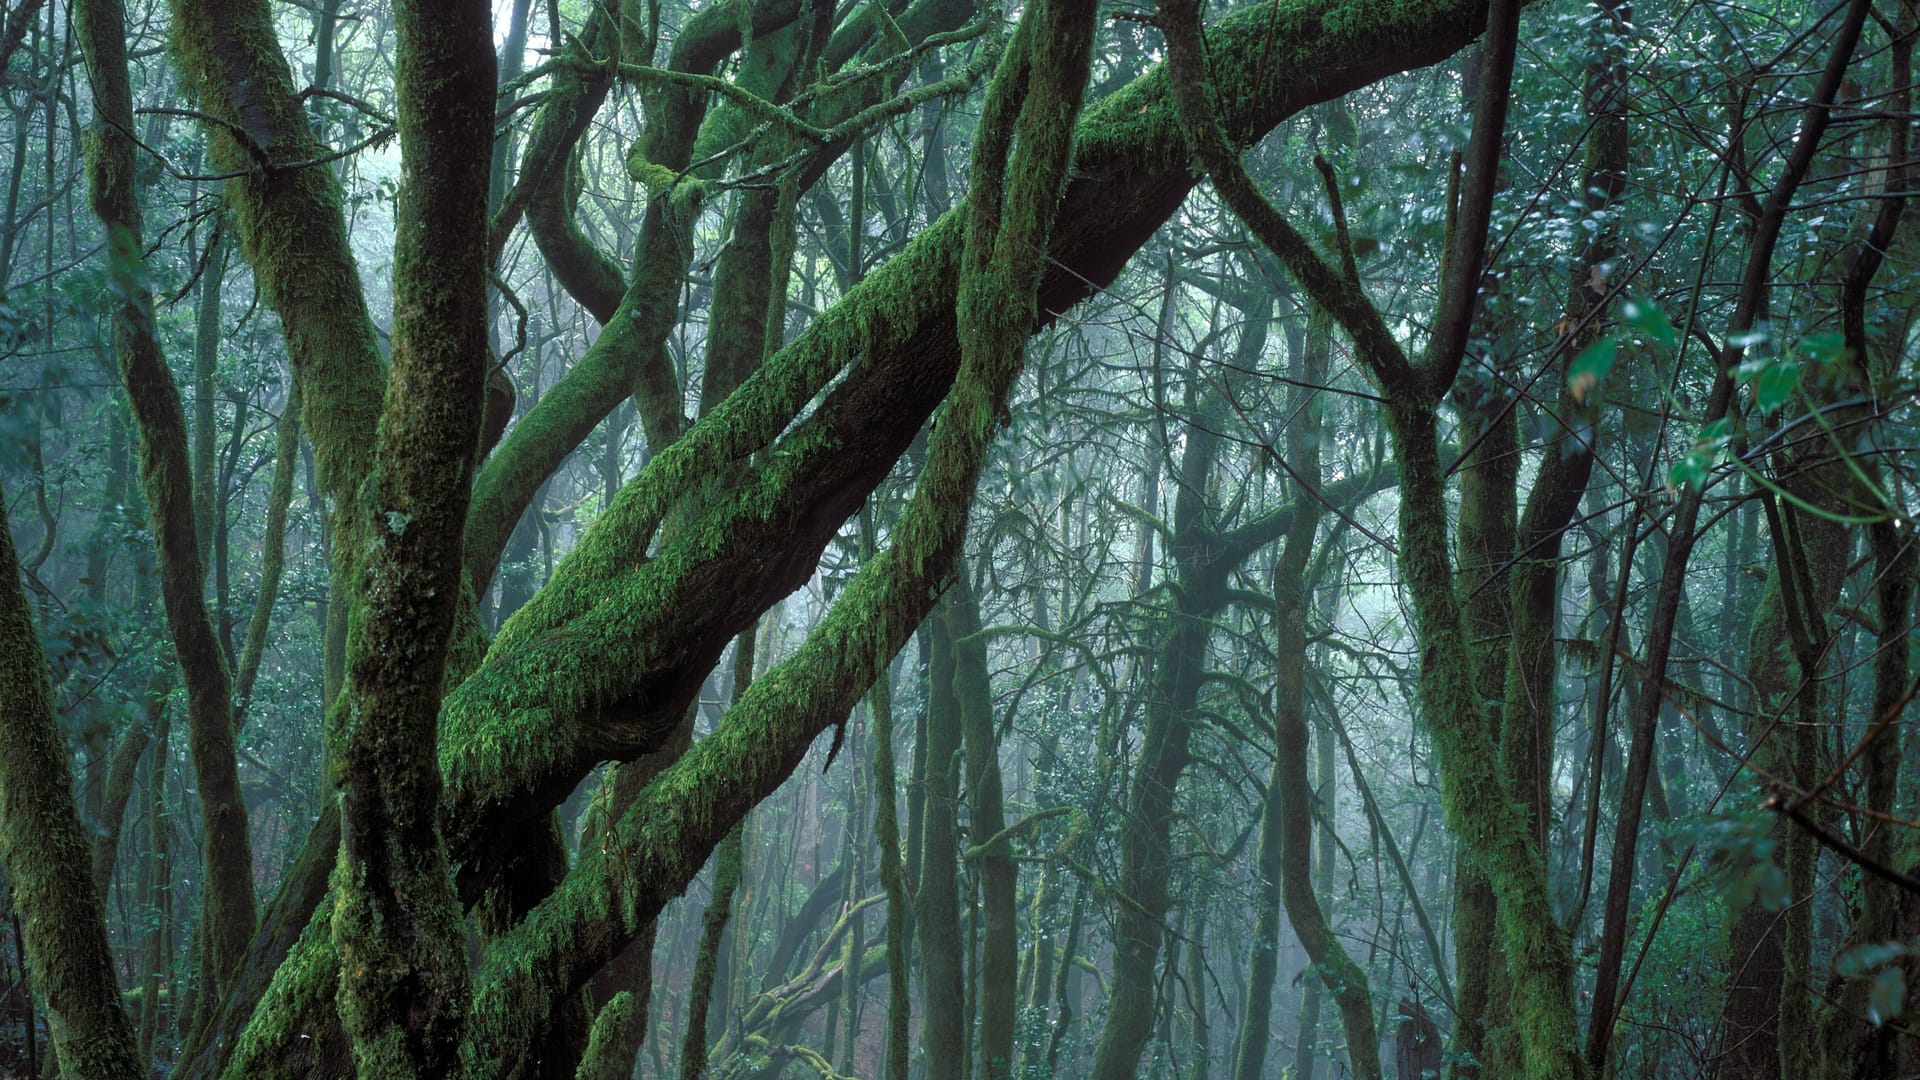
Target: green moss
[
  {"x": 603, "y": 1060},
  {"x": 46, "y": 850},
  {"x": 662, "y": 181},
  {"x": 1479, "y": 808},
  {"x": 291, "y": 227},
  {"x": 277, "y": 1040}
]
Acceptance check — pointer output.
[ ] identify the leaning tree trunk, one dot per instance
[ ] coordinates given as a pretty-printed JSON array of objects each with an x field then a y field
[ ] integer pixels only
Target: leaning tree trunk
[
  {"x": 46, "y": 850},
  {"x": 1132, "y": 165}
]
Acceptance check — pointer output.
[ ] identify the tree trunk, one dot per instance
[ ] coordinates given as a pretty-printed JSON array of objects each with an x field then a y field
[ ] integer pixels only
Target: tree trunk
[
  {"x": 165, "y": 475},
  {"x": 397, "y": 923},
  {"x": 936, "y": 918},
  {"x": 999, "y": 874},
  {"x": 45, "y": 848}
]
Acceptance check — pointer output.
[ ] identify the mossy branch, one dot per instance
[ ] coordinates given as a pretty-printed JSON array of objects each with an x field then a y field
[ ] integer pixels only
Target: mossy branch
[{"x": 1025, "y": 824}]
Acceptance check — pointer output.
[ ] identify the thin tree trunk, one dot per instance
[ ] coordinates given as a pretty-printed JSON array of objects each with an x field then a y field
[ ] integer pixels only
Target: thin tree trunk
[
  {"x": 999, "y": 874},
  {"x": 1344, "y": 979},
  {"x": 227, "y": 875},
  {"x": 206, "y": 361},
  {"x": 887, "y": 832},
  {"x": 726, "y": 880},
  {"x": 273, "y": 544},
  {"x": 157, "y": 876},
  {"x": 936, "y": 920},
  {"x": 121, "y": 774}
]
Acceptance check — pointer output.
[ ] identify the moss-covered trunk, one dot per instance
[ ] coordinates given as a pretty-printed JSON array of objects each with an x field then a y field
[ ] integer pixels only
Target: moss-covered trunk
[
  {"x": 46, "y": 853},
  {"x": 1475, "y": 794},
  {"x": 397, "y": 925},
  {"x": 653, "y": 640},
  {"x": 886, "y": 828},
  {"x": 166, "y": 478},
  {"x": 673, "y": 825}
]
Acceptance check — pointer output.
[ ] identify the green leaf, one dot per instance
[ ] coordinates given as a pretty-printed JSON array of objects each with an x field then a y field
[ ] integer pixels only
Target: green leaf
[
  {"x": 1770, "y": 886},
  {"x": 1852, "y": 963},
  {"x": 1688, "y": 472},
  {"x": 1826, "y": 346},
  {"x": 1776, "y": 385},
  {"x": 1651, "y": 321},
  {"x": 1887, "y": 996},
  {"x": 1590, "y": 367}
]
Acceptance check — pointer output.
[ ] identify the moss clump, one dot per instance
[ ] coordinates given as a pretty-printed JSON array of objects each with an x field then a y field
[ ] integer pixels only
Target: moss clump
[
  {"x": 602, "y": 1060},
  {"x": 277, "y": 1041},
  {"x": 662, "y": 182}
]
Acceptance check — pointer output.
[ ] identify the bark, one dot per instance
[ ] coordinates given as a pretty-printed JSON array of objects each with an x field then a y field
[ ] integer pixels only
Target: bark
[
  {"x": 936, "y": 921},
  {"x": 292, "y": 232},
  {"x": 606, "y": 1058},
  {"x": 206, "y": 363},
  {"x": 156, "y": 880},
  {"x": 886, "y": 827},
  {"x": 121, "y": 773},
  {"x": 631, "y": 970},
  {"x": 46, "y": 851},
  {"x": 1484, "y": 550},
  {"x": 726, "y": 881},
  {"x": 999, "y": 874},
  {"x": 227, "y": 872},
  {"x": 273, "y": 560},
  {"x": 397, "y": 925},
  {"x": 1201, "y": 1052}
]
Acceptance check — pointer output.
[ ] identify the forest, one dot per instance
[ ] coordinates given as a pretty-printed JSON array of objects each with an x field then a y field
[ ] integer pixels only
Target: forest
[{"x": 955, "y": 540}]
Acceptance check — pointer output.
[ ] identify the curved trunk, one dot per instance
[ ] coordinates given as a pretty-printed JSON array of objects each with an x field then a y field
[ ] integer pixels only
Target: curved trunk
[{"x": 166, "y": 478}]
